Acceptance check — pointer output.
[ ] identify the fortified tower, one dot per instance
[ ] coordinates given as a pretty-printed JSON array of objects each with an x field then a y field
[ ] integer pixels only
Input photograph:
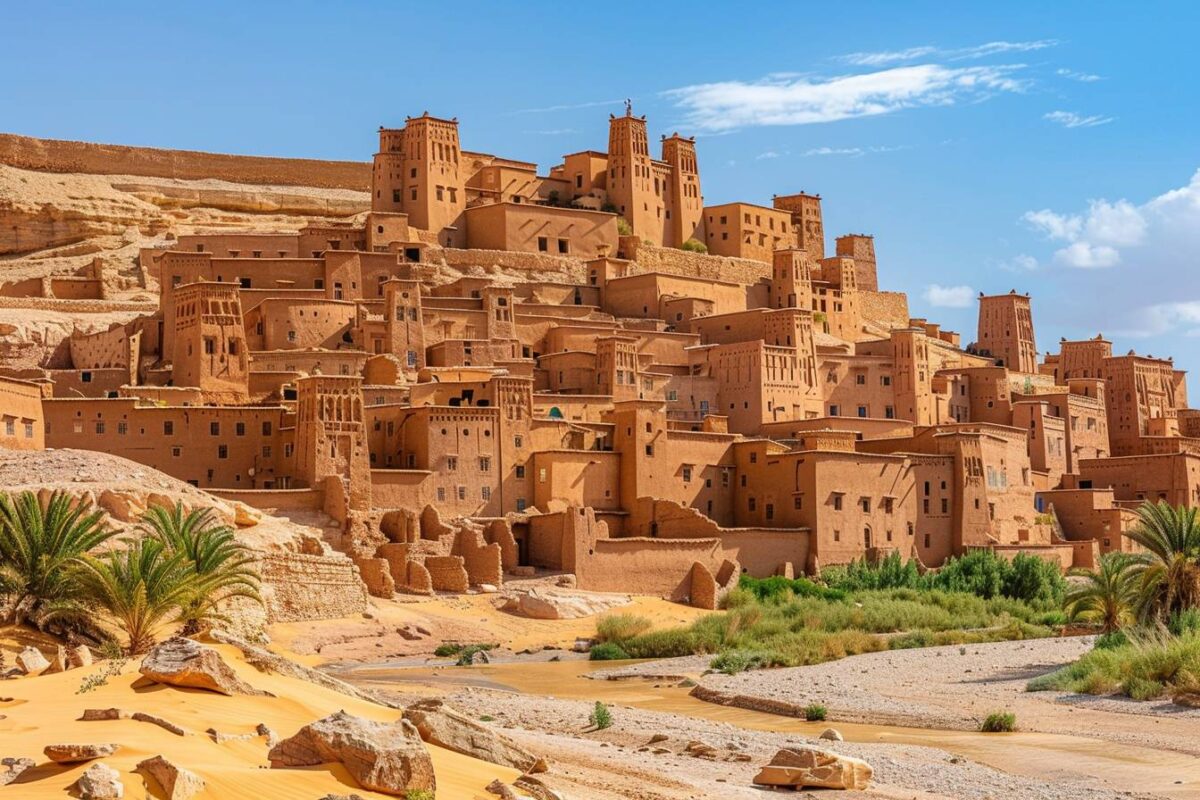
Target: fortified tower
[
  {"x": 617, "y": 368},
  {"x": 210, "y": 342},
  {"x": 791, "y": 279},
  {"x": 685, "y": 205},
  {"x": 806, "y": 221},
  {"x": 405, "y": 328},
  {"x": 1006, "y": 331},
  {"x": 861, "y": 248},
  {"x": 417, "y": 172},
  {"x": 331, "y": 437},
  {"x": 630, "y": 177}
]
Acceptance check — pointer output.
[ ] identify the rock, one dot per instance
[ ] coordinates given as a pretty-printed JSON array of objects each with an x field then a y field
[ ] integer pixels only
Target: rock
[
  {"x": 101, "y": 714},
  {"x": 502, "y": 790},
  {"x": 802, "y": 767},
  {"x": 222, "y": 738},
  {"x": 536, "y": 789},
  {"x": 13, "y": 767},
  {"x": 557, "y": 604},
  {"x": 176, "y": 782},
  {"x": 31, "y": 661},
  {"x": 59, "y": 663},
  {"x": 832, "y": 734},
  {"x": 439, "y": 724},
  {"x": 700, "y": 750},
  {"x": 658, "y": 737},
  {"x": 80, "y": 656},
  {"x": 159, "y": 721},
  {"x": 100, "y": 782},
  {"x": 183, "y": 662},
  {"x": 382, "y": 757},
  {"x": 74, "y": 753},
  {"x": 244, "y": 516},
  {"x": 271, "y": 736},
  {"x": 488, "y": 588}
]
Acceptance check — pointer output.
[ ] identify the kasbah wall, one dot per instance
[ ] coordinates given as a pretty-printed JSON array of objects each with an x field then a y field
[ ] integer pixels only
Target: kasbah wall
[{"x": 648, "y": 418}]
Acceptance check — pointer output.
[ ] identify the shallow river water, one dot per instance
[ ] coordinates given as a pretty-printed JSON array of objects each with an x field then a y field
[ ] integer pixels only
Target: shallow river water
[{"x": 1041, "y": 755}]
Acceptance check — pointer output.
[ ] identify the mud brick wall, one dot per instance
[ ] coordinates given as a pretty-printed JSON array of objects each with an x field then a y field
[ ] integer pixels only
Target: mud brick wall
[
  {"x": 304, "y": 587},
  {"x": 447, "y": 573}
]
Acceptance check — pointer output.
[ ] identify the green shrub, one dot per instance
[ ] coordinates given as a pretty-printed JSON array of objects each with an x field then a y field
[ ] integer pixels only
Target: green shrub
[
  {"x": 607, "y": 651},
  {"x": 732, "y": 662},
  {"x": 448, "y": 649},
  {"x": 694, "y": 246},
  {"x": 815, "y": 712},
  {"x": 1184, "y": 622},
  {"x": 1148, "y": 664},
  {"x": 418, "y": 794},
  {"x": 911, "y": 640},
  {"x": 466, "y": 655},
  {"x": 669, "y": 643},
  {"x": 620, "y": 627},
  {"x": 623, "y": 227},
  {"x": 1111, "y": 641},
  {"x": 892, "y": 572},
  {"x": 778, "y": 587},
  {"x": 999, "y": 722},
  {"x": 601, "y": 717},
  {"x": 1142, "y": 689},
  {"x": 1033, "y": 580}
]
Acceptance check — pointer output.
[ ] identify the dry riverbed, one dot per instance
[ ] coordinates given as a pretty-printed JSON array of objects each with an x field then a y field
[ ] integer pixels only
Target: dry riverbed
[{"x": 1064, "y": 752}]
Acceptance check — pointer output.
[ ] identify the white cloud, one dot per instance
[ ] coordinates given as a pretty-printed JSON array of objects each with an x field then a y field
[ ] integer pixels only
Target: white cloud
[
  {"x": 1070, "y": 119},
  {"x": 1149, "y": 249},
  {"x": 884, "y": 57},
  {"x": 950, "y": 296},
  {"x": 1020, "y": 263},
  {"x": 1083, "y": 255},
  {"x": 728, "y": 105},
  {"x": 1056, "y": 226},
  {"x": 1075, "y": 75},
  {"x": 834, "y": 151},
  {"x": 766, "y": 155}
]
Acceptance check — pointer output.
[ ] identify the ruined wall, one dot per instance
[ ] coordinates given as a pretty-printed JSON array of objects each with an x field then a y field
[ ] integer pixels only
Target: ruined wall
[
  {"x": 306, "y": 587},
  {"x": 53, "y": 155},
  {"x": 569, "y": 267},
  {"x": 890, "y": 308},
  {"x": 693, "y": 265}
]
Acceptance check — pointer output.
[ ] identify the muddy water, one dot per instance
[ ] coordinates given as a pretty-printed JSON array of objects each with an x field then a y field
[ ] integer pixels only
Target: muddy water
[{"x": 1039, "y": 755}]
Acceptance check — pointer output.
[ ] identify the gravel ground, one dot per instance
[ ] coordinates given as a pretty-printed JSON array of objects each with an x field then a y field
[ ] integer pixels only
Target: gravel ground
[{"x": 619, "y": 762}]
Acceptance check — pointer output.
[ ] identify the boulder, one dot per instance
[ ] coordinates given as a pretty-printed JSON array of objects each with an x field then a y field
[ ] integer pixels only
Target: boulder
[
  {"x": 13, "y": 767},
  {"x": 80, "y": 656},
  {"x": 31, "y": 661},
  {"x": 183, "y": 662},
  {"x": 383, "y": 757},
  {"x": 59, "y": 663},
  {"x": 804, "y": 767},
  {"x": 74, "y": 753},
  {"x": 502, "y": 790},
  {"x": 100, "y": 782},
  {"x": 831, "y": 734},
  {"x": 176, "y": 782},
  {"x": 439, "y": 724},
  {"x": 558, "y": 604}
]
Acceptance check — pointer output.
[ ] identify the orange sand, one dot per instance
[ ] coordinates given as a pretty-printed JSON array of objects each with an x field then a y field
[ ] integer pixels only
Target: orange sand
[{"x": 45, "y": 710}]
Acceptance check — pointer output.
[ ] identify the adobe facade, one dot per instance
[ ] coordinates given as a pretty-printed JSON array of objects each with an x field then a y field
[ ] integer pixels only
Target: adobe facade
[{"x": 651, "y": 418}]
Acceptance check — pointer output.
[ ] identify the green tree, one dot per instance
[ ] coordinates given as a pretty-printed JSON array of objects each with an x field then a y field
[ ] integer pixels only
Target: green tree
[
  {"x": 223, "y": 567},
  {"x": 1109, "y": 595},
  {"x": 140, "y": 587},
  {"x": 1169, "y": 569},
  {"x": 41, "y": 553}
]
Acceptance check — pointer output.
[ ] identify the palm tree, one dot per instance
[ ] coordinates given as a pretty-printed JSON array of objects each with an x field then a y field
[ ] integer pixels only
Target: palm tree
[
  {"x": 41, "y": 549},
  {"x": 139, "y": 587},
  {"x": 222, "y": 566},
  {"x": 1110, "y": 594},
  {"x": 1170, "y": 566}
]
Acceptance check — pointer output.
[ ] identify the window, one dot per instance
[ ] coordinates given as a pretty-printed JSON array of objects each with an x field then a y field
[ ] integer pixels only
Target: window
[
  {"x": 210, "y": 345},
  {"x": 176, "y": 452},
  {"x": 833, "y": 410},
  {"x": 100, "y": 426},
  {"x": 441, "y": 494},
  {"x": 520, "y": 470},
  {"x": 168, "y": 428},
  {"x": 122, "y": 428},
  {"x": 770, "y": 510},
  {"x": 452, "y": 463},
  {"x": 945, "y": 505},
  {"x": 266, "y": 428},
  {"x": 888, "y": 503},
  {"x": 752, "y": 504},
  {"x": 860, "y": 379},
  {"x": 564, "y": 245},
  {"x": 650, "y": 451},
  {"x": 222, "y": 451},
  {"x": 517, "y": 441},
  {"x": 28, "y": 430},
  {"x": 462, "y": 493},
  {"x": 239, "y": 429},
  {"x": 885, "y": 380},
  {"x": 837, "y": 502},
  {"x": 543, "y": 244},
  {"x": 486, "y": 493},
  {"x": 866, "y": 505},
  {"x": 541, "y": 474},
  {"x": 485, "y": 464},
  {"x": 86, "y": 377},
  {"x": 520, "y": 504},
  {"x": 214, "y": 428},
  {"x": 687, "y": 474},
  {"x": 862, "y": 411},
  {"x": 266, "y": 451}
]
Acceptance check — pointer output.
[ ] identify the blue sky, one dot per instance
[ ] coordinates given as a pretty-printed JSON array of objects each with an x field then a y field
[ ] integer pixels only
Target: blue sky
[{"x": 1049, "y": 148}]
